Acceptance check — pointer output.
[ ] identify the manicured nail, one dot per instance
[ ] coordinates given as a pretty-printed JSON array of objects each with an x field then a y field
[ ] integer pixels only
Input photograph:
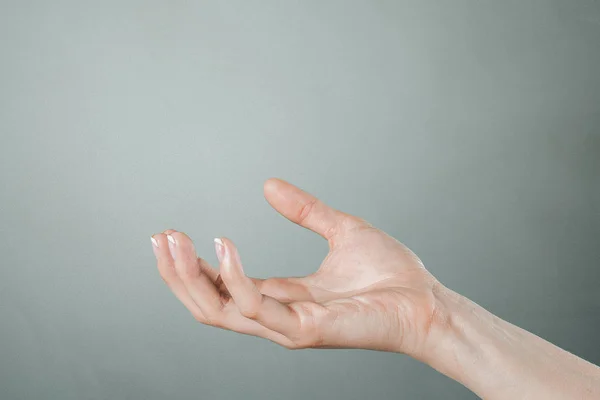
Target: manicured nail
[
  {"x": 154, "y": 246},
  {"x": 172, "y": 245},
  {"x": 220, "y": 249}
]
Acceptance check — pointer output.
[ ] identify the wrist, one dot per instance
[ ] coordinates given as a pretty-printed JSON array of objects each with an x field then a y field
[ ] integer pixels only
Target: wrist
[
  {"x": 498, "y": 360},
  {"x": 469, "y": 344},
  {"x": 445, "y": 328}
]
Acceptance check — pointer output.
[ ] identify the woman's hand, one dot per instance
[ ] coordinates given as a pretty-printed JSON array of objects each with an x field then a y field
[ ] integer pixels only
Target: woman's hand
[{"x": 370, "y": 292}]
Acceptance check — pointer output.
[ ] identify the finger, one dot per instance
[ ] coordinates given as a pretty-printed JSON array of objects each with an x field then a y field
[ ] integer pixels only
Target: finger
[
  {"x": 198, "y": 284},
  {"x": 285, "y": 290},
  {"x": 343, "y": 323},
  {"x": 304, "y": 209},
  {"x": 205, "y": 267},
  {"x": 250, "y": 302},
  {"x": 169, "y": 276}
]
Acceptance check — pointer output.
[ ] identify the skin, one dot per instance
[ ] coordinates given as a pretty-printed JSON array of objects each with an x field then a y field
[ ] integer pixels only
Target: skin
[{"x": 370, "y": 292}]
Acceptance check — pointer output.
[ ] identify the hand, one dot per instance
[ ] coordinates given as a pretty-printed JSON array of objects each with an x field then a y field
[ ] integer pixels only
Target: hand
[{"x": 370, "y": 292}]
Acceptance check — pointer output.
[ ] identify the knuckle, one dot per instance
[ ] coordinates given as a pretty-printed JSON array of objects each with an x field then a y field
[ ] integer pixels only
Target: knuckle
[
  {"x": 306, "y": 210},
  {"x": 250, "y": 312},
  {"x": 293, "y": 346},
  {"x": 252, "y": 309},
  {"x": 304, "y": 340},
  {"x": 199, "y": 317},
  {"x": 213, "y": 320},
  {"x": 308, "y": 333}
]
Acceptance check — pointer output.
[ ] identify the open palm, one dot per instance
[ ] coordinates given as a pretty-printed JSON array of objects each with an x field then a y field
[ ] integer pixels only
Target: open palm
[{"x": 370, "y": 292}]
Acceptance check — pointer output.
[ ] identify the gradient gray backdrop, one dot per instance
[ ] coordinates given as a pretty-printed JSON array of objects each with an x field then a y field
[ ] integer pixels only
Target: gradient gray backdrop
[{"x": 469, "y": 130}]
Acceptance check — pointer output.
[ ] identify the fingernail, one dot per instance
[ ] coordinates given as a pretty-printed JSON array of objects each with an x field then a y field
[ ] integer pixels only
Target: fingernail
[
  {"x": 172, "y": 245},
  {"x": 154, "y": 246},
  {"x": 220, "y": 249}
]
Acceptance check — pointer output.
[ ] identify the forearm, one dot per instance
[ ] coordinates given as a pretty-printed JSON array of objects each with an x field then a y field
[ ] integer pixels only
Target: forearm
[{"x": 498, "y": 360}]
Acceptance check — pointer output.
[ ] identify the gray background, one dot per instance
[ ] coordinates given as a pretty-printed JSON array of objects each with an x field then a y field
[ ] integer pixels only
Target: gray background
[{"x": 467, "y": 129}]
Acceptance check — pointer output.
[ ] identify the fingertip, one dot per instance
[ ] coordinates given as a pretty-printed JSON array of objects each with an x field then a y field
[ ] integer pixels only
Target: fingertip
[
  {"x": 273, "y": 181},
  {"x": 182, "y": 246},
  {"x": 182, "y": 239},
  {"x": 231, "y": 264},
  {"x": 240, "y": 287},
  {"x": 229, "y": 251},
  {"x": 269, "y": 186},
  {"x": 274, "y": 185},
  {"x": 219, "y": 249},
  {"x": 223, "y": 240},
  {"x": 161, "y": 241}
]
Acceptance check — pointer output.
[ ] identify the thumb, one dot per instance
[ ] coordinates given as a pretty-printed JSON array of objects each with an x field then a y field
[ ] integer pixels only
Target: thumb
[{"x": 305, "y": 209}]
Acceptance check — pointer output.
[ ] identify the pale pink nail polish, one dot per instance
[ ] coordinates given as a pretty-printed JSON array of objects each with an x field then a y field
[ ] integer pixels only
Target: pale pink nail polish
[
  {"x": 172, "y": 245},
  {"x": 154, "y": 246},
  {"x": 220, "y": 249}
]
